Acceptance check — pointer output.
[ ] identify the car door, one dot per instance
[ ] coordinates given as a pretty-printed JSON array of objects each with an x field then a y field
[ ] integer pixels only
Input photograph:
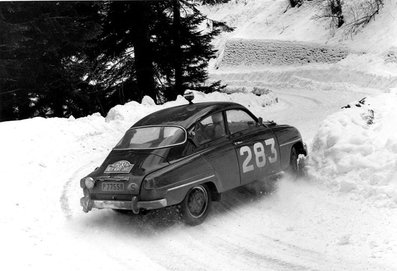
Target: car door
[
  {"x": 211, "y": 138},
  {"x": 255, "y": 145}
]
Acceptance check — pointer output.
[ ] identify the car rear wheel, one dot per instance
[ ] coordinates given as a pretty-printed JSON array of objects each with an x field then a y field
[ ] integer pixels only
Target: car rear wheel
[
  {"x": 196, "y": 205},
  {"x": 293, "y": 162}
]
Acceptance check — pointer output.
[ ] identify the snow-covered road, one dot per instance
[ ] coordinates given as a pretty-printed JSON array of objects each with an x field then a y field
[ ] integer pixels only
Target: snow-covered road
[
  {"x": 298, "y": 226},
  {"x": 306, "y": 95}
]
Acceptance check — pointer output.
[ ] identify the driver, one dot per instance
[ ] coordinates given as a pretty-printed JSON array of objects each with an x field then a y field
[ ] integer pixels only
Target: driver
[{"x": 218, "y": 129}]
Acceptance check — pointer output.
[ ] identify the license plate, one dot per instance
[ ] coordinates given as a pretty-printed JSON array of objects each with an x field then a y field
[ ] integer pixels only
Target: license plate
[{"x": 112, "y": 186}]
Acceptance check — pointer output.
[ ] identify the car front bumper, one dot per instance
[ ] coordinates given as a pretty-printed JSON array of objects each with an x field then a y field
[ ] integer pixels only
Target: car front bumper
[{"x": 134, "y": 205}]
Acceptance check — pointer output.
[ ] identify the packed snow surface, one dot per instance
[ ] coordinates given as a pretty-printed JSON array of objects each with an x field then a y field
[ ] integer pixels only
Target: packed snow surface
[{"x": 301, "y": 225}]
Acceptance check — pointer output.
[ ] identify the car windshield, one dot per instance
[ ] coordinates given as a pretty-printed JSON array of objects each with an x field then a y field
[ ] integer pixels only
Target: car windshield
[{"x": 152, "y": 137}]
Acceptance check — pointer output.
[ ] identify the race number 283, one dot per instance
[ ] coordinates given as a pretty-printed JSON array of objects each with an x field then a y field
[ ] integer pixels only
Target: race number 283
[{"x": 258, "y": 155}]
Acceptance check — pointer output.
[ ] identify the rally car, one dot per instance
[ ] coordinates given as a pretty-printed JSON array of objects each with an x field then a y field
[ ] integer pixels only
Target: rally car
[{"x": 188, "y": 156}]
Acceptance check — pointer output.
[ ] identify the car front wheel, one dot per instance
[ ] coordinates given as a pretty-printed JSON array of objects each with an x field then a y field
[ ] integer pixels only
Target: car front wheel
[
  {"x": 296, "y": 163},
  {"x": 196, "y": 205}
]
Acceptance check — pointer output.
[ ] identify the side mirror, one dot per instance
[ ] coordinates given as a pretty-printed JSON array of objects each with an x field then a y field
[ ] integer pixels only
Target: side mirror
[{"x": 260, "y": 121}]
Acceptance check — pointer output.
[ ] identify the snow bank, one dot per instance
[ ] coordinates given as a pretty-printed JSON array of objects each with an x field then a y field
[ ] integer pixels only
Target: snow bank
[
  {"x": 39, "y": 137},
  {"x": 249, "y": 99},
  {"x": 133, "y": 111},
  {"x": 29, "y": 136},
  {"x": 346, "y": 75},
  {"x": 355, "y": 150},
  {"x": 245, "y": 52},
  {"x": 46, "y": 142}
]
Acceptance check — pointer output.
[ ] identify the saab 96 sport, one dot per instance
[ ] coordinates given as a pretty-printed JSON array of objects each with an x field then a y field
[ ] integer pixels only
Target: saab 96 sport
[{"x": 187, "y": 156}]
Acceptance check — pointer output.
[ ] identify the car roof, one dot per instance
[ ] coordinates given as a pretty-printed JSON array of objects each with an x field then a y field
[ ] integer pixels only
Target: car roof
[{"x": 185, "y": 115}]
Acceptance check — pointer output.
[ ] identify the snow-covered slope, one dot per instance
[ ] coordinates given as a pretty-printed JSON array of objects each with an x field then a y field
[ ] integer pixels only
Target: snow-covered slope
[
  {"x": 269, "y": 32},
  {"x": 274, "y": 20},
  {"x": 282, "y": 48}
]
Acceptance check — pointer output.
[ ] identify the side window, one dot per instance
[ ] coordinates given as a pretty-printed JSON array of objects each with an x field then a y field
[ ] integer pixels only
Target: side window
[
  {"x": 239, "y": 120},
  {"x": 210, "y": 128}
]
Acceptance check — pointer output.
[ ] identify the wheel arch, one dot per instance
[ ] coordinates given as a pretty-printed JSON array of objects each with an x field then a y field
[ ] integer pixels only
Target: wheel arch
[
  {"x": 215, "y": 195},
  {"x": 300, "y": 147}
]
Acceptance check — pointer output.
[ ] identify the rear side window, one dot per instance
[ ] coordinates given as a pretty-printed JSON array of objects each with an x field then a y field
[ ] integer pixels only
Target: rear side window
[{"x": 239, "y": 120}]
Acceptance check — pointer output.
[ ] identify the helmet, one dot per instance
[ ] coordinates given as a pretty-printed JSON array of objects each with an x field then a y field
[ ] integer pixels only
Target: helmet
[{"x": 217, "y": 118}]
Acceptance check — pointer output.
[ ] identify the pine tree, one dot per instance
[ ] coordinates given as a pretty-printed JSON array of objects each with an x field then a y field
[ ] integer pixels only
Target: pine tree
[
  {"x": 181, "y": 61},
  {"x": 171, "y": 41},
  {"x": 124, "y": 53},
  {"x": 43, "y": 63},
  {"x": 75, "y": 58}
]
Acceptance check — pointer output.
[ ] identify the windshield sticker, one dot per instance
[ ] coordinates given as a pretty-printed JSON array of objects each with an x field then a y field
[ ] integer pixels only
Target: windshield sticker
[{"x": 119, "y": 167}]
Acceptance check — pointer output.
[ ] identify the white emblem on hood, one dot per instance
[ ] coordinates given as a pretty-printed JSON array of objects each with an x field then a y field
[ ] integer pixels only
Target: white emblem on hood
[{"x": 119, "y": 167}]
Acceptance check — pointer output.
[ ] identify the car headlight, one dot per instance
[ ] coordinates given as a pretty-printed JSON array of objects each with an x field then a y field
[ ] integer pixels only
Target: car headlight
[
  {"x": 148, "y": 183},
  {"x": 89, "y": 182}
]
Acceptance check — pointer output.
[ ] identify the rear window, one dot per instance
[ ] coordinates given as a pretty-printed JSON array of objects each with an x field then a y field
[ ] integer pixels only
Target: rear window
[{"x": 152, "y": 137}]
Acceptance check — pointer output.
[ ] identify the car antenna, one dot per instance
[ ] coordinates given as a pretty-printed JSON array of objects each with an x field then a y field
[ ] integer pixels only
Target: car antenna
[{"x": 189, "y": 95}]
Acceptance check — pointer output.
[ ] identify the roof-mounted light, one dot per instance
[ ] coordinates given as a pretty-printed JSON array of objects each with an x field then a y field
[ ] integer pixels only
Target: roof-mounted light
[{"x": 189, "y": 95}]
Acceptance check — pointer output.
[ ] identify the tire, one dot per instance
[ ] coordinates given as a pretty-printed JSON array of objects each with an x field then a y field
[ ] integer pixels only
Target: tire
[
  {"x": 295, "y": 166},
  {"x": 196, "y": 205},
  {"x": 293, "y": 161}
]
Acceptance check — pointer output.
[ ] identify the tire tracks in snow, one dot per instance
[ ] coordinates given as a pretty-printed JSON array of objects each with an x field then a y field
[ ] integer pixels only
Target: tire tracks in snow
[{"x": 303, "y": 97}]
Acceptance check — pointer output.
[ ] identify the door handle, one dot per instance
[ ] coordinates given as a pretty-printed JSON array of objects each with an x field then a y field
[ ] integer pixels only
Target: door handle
[{"x": 236, "y": 143}]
